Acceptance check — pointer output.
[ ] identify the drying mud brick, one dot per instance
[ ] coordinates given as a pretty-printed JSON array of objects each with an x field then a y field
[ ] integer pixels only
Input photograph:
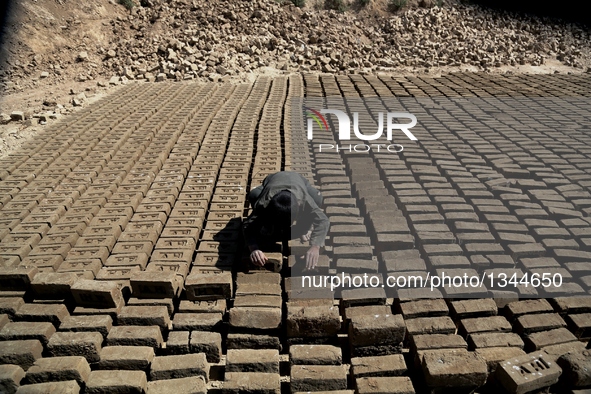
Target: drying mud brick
[
  {"x": 145, "y": 316},
  {"x": 59, "y": 368},
  {"x": 256, "y": 360},
  {"x": 252, "y": 341},
  {"x": 251, "y": 382},
  {"x": 86, "y": 344},
  {"x": 423, "y": 308},
  {"x": 528, "y": 324},
  {"x": 484, "y": 324},
  {"x": 52, "y": 313},
  {"x": 518, "y": 308},
  {"x": 208, "y": 306},
  {"x": 126, "y": 358},
  {"x": 209, "y": 286},
  {"x": 155, "y": 284},
  {"x": 207, "y": 342},
  {"x": 17, "y": 278},
  {"x": 373, "y": 330},
  {"x": 10, "y": 378},
  {"x": 389, "y": 365},
  {"x": 318, "y": 377},
  {"x": 53, "y": 284},
  {"x": 383, "y": 385},
  {"x": 21, "y": 353},
  {"x": 495, "y": 339},
  {"x": 312, "y": 321},
  {"x": 253, "y": 318},
  {"x": 135, "y": 336},
  {"x": 436, "y": 341},
  {"x": 190, "y": 385},
  {"x": 97, "y": 294},
  {"x": 540, "y": 340},
  {"x": 197, "y": 322},
  {"x": 576, "y": 369},
  {"x": 430, "y": 325},
  {"x": 27, "y": 330},
  {"x": 116, "y": 382},
  {"x": 179, "y": 366},
  {"x": 473, "y": 308},
  {"x": 527, "y": 373},
  {"x": 66, "y": 387},
  {"x": 315, "y": 355},
  {"x": 9, "y": 305},
  {"x": 88, "y": 323},
  {"x": 454, "y": 369}
]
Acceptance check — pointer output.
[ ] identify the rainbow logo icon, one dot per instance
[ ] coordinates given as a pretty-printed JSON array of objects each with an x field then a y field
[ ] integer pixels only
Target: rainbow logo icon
[{"x": 317, "y": 116}]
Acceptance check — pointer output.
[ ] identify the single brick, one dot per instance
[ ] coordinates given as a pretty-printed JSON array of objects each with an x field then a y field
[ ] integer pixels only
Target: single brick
[
  {"x": 372, "y": 330},
  {"x": 206, "y": 342},
  {"x": 539, "y": 340},
  {"x": 454, "y": 369},
  {"x": 21, "y": 353},
  {"x": 180, "y": 366},
  {"x": 252, "y": 341},
  {"x": 156, "y": 284},
  {"x": 484, "y": 324},
  {"x": 580, "y": 324},
  {"x": 53, "y": 285},
  {"x": 97, "y": 294},
  {"x": 527, "y": 373},
  {"x": 318, "y": 378},
  {"x": 315, "y": 355},
  {"x": 576, "y": 369},
  {"x": 135, "y": 336},
  {"x": 473, "y": 308},
  {"x": 167, "y": 302},
  {"x": 209, "y": 306},
  {"x": 424, "y": 308},
  {"x": 190, "y": 385},
  {"x": 85, "y": 344},
  {"x": 255, "y": 360},
  {"x": 145, "y": 316},
  {"x": 430, "y": 325},
  {"x": 107, "y": 382},
  {"x": 88, "y": 323},
  {"x": 197, "y": 321},
  {"x": 209, "y": 286},
  {"x": 252, "y": 382},
  {"x": 52, "y": 313},
  {"x": 437, "y": 341},
  {"x": 312, "y": 321},
  {"x": 27, "y": 330},
  {"x": 255, "y": 318},
  {"x": 495, "y": 339},
  {"x": 389, "y": 365},
  {"x": 58, "y": 369},
  {"x": 518, "y": 308},
  {"x": 126, "y": 357},
  {"x": 177, "y": 343},
  {"x": 384, "y": 384},
  {"x": 9, "y": 305},
  {"x": 528, "y": 324},
  {"x": 10, "y": 378},
  {"x": 66, "y": 387}
]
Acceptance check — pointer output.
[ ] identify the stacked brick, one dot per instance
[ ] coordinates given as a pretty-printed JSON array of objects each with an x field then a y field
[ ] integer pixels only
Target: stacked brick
[{"x": 120, "y": 237}]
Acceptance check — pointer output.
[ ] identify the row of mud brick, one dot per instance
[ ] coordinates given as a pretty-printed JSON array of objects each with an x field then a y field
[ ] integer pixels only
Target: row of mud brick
[
  {"x": 206, "y": 154},
  {"x": 317, "y": 345}
]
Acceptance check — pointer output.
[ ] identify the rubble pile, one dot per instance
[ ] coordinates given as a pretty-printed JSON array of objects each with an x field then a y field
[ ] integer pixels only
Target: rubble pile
[{"x": 199, "y": 39}]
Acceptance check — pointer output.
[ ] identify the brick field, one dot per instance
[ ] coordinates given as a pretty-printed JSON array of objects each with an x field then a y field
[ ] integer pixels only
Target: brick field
[{"x": 123, "y": 270}]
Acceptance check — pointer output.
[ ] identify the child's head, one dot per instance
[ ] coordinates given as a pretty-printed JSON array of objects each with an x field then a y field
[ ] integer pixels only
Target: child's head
[{"x": 283, "y": 208}]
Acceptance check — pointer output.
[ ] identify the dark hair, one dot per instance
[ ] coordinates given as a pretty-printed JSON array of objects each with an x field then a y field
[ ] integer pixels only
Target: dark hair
[{"x": 283, "y": 207}]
